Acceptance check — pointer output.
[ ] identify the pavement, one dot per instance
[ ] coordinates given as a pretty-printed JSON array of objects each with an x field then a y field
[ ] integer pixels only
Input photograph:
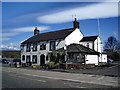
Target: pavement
[
  {"x": 112, "y": 70},
  {"x": 108, "y": 71},
  {"x": 29, "y": 78}
]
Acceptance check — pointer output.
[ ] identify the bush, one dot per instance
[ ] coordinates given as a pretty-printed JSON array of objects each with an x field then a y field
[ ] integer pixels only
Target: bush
[
  {"x": 51, "y": 65},
  {"x": 57, "y": 65}
]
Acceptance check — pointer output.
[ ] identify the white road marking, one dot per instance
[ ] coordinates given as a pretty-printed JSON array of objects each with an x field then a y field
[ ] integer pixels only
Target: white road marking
[
  {"x": 27, "y": 78},
  {"x": 42, "y": 76},
  {"x": 74, "y": 85},
  {"x": 101, "y": 78}
]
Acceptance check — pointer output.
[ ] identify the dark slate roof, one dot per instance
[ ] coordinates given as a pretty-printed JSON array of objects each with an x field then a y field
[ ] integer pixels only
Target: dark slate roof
[
  {"x": 89, "y": 38},
  {"x": 54, "y": 35},
  {"x": 77, "y": 48}
]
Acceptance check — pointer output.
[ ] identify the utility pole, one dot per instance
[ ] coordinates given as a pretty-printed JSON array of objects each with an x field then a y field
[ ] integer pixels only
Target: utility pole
[
  {"x": 99, "y": 35},
  {"x": 98, "y": 27}
]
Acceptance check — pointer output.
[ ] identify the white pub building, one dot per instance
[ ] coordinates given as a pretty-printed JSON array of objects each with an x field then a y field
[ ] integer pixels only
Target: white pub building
[{"x": 35, "y": 49}]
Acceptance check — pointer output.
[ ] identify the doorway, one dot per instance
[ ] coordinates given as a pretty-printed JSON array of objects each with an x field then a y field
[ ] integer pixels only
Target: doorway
[{"x": 42, "y": 60}]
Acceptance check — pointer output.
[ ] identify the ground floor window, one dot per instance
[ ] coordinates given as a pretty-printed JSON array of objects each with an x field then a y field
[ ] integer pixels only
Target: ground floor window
[
  {"x": 34, "y": 59},
  {"x": 76, "y": 57},
  {"x": 47, "y": 58},
  {"x": 23, "y": 57},
  {"x": 28, "y": 58}
]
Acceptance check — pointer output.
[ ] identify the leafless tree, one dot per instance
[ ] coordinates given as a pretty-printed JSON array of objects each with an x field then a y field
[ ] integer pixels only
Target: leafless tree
[
  {"x": 112, "y": 44},
  {"x": 112, "y": 48}
]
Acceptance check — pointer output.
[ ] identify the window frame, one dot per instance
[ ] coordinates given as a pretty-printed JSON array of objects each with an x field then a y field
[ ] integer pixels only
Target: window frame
[
  {"x": 34, "y": 47},
  {"x": 34, "y": 61},
  {"x": 27, "y": 58},
  {"x": 43, "y": 46},
  {"x": 88, "y": 45},
  {"x": 51, "y": 44},
  {"x": 22, "y": 58},
  {"x": 28, "y": 47},
  {"x": 47, "y": 58}
]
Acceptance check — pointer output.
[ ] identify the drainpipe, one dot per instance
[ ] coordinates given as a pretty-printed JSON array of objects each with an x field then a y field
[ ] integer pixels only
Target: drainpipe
[
  {"x": 66, "y": 55},
  {"x": 97, "y": 51}
]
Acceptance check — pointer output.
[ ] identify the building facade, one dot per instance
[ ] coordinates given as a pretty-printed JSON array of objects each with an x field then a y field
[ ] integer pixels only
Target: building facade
[{"x": 34, "y": 51}]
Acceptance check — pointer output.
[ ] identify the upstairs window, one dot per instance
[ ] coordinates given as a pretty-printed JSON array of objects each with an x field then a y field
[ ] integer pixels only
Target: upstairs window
[
  {"x": 28, "y": 48},
  {"x": 88, "y": 45},
  {"x": 22, "y": 47},
  {"x": 34, "y": 46},
  {"x": 52, "y": 45},
  {"x": 43, "y": 47},
  {"x": 34, "y": 59}
]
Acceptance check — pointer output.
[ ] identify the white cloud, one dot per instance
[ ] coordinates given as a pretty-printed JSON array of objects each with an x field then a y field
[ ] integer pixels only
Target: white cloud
[
  {"x": 6, "y": 36},
  {"x": 10, "y": 46},
  {"x": 30, "y": 29},
  {"x": 4, "y": 39},
  {"x": 9, "y": 34},
  {"x": 16, "y": 31},
  {"x": 101, "y": 10}
]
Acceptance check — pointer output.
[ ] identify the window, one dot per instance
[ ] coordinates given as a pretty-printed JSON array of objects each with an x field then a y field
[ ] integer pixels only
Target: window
[
  {"x": 23, "y": 57},
  {"x": 34, "y": 59},
  {"x": 22, "y": 47},
  {"x": 88, "y": 45},
  {"x": 27, "y": 58},
  {"x": 28, "y": 48},
  {"x": 47, "y": 58},
  {"x": 52, "y": 45},
  {"x": 43, "y": 47},
  {"x": 34, "y": 46}
]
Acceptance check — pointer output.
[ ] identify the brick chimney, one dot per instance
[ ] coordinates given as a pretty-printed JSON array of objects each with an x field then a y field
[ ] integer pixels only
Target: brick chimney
[
  {"x": 76, "y": 24},
  {"x": 36, "y": 31}
]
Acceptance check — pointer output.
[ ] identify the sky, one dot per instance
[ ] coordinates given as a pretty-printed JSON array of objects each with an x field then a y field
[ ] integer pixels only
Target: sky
[{"x": 20, "y": 18}]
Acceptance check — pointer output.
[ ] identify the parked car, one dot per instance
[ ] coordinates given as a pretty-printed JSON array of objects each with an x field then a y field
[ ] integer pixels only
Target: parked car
[
  {"x": 5, "y": 61},
  {"x": 110, "y": 60},
  {"x": 16, "y": 60}
]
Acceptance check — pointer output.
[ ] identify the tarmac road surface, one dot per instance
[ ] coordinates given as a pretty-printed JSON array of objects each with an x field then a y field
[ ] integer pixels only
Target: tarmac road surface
[{"x": 24, "y": 78}]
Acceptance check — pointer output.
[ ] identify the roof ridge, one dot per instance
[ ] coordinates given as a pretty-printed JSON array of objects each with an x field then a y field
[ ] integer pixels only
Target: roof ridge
[
  {"x": 56, "y": 31},
  {"x": 92, "y": 36}
]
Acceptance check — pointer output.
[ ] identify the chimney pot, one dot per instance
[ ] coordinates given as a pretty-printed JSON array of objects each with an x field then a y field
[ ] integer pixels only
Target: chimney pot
[
  {"x": 76, "y": 24},
  {"x": 36, "y": 31}
]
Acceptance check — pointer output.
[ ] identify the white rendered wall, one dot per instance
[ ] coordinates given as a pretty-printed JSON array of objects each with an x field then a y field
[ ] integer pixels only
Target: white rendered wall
[
  {"x": 98, "y": 45},
  {"x": 59, "y": 44},
  {"x": 103, "y": 58},
  {"x": 74, "y": 37},
  {"x": 91, "y": 59}
]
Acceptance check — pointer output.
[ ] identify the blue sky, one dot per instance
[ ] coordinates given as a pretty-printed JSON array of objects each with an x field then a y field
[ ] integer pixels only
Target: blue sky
[{"x": 20, "y": 18}]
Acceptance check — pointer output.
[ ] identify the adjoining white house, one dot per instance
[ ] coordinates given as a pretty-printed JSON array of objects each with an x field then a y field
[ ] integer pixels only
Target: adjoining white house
[{"x": 35, "y": 49}]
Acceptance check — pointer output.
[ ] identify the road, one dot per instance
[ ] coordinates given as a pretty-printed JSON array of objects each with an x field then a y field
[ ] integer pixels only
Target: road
[{"x": 24, "y": 78}]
